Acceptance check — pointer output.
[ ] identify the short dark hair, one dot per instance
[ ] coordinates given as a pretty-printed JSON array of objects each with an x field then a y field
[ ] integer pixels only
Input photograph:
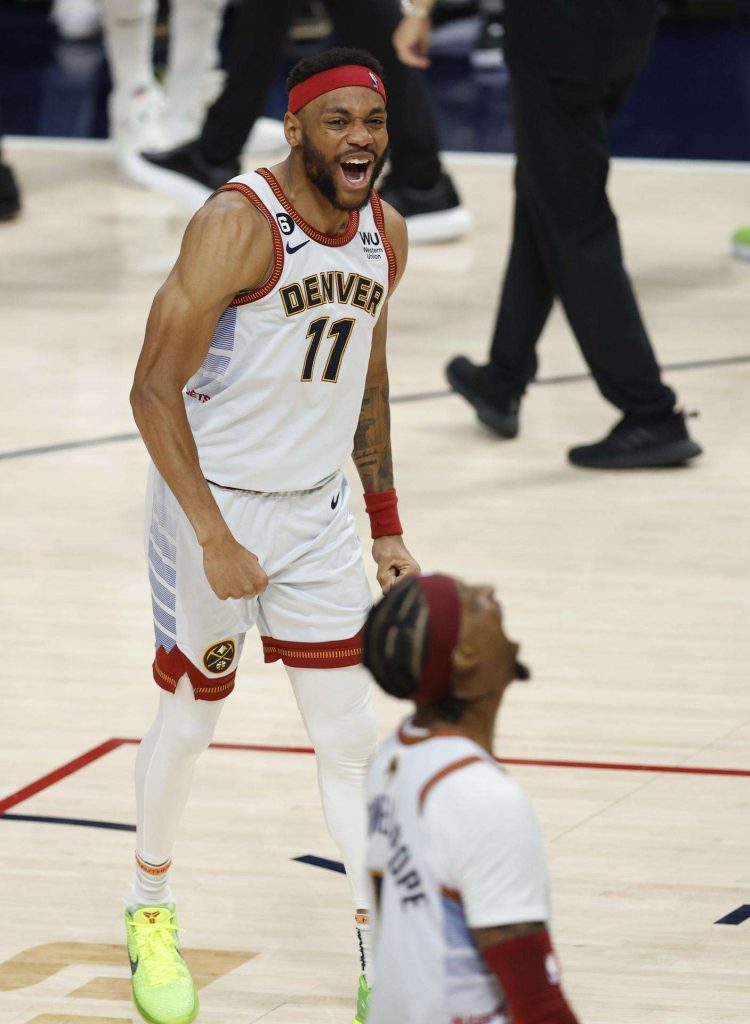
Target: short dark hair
[
  {"x": 335, "y": 58},
  {"x": 395, "y": 643}
]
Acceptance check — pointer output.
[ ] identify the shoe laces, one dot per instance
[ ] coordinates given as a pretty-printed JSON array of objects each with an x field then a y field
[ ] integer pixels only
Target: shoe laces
[{"x": 158, "y": 949}]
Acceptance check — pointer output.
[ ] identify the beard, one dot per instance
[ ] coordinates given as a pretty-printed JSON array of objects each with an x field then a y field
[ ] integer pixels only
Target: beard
[{"x": 323, "y": 177}]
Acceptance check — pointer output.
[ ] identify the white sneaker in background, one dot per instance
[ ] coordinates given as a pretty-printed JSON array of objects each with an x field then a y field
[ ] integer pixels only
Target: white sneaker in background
[
  {"x": 76, "y": 20},
  {"x": 267, "y": 135},
  {"x": 136, "y": 124}
]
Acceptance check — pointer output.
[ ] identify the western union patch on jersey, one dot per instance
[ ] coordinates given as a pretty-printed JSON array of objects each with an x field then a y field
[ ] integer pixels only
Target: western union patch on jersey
[{"x": 219, "y": 657}]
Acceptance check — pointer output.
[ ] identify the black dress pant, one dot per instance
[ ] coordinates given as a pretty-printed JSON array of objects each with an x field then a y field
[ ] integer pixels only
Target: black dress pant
[
  {"x": 255, "y": 54},
  {"x": 565, "y": 237}
]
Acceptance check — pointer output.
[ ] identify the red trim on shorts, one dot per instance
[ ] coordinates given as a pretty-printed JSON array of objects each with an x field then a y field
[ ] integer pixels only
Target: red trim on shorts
[
  {"x": 170, "y": 667},
  {"x": 330, "y": 654},
  {"x": 317, "y": 236},
  {"x": 449, "y": 768},
  {"x": 379, "y": 217},
  {"x": 278, "y": 246}
]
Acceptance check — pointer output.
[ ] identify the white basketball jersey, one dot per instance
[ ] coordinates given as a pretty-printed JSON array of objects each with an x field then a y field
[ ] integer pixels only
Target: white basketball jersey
[
  {"x": 429, "y": 892},
  {"x": 276, "y": 402}
]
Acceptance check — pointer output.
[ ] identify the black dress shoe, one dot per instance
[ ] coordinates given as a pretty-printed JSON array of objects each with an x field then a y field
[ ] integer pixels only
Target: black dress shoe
[
  {"x": 10, "y": 197},
  {"x": 495, "y": 406},
  {"x": 640, "y": 443}
]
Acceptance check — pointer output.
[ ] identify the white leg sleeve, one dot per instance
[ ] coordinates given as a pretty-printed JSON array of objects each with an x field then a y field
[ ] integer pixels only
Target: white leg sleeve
[
  {"x": 164, "y": 767},
  {"x": 129, "y": 41},
  {"x": 338, "y": 713}
]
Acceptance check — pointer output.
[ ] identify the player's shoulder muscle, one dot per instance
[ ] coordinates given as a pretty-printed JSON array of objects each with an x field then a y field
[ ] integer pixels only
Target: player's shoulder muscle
[{"x": 227, "y": 247}]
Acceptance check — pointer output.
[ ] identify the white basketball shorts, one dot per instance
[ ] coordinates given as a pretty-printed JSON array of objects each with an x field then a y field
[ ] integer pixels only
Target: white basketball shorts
[{"x": 311, "y": 614}]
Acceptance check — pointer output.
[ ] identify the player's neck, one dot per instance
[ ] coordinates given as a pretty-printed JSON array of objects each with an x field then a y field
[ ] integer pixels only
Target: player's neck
[
  {"x": 307, "y": 200},
  {"x": 477, "y": 722}
]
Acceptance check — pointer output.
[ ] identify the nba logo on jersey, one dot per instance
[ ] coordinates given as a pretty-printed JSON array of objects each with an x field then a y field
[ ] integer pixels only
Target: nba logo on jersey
[{"x": 373, "y": 79}]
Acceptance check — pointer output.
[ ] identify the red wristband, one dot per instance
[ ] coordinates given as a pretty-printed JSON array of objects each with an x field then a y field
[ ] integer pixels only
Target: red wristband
[
  {"x": 527, "y": 971},
  {"x": 382, "y": 508}
]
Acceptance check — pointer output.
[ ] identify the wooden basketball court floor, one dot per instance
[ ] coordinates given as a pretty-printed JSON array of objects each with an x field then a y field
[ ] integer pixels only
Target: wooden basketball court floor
[{"x": 629, "y": 593}]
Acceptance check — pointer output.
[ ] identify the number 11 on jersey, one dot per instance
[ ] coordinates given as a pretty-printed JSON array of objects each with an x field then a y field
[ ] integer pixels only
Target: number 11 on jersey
[{"x": 340, "y": 331}]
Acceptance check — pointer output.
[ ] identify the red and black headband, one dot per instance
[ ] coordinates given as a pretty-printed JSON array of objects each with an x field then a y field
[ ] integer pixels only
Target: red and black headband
[
  {"x": 444, "y": 605},
  {"x": 336, "y": 78}
]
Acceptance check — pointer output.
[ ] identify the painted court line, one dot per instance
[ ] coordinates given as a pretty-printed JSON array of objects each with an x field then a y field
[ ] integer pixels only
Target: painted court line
[
  {"x": 321, "y": 862},
  {"x": 112, "y": 744},
  {"x": 59, "y": 773},
  {"x": 417, "y": 396},
  {"x": 116, "y": 826}
]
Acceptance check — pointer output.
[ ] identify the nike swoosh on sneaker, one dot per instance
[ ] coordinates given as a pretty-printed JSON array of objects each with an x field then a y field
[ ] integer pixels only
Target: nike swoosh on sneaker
[
  {"x": 335, "y": 501},
  {"x": 134, "y": 964},
  {"x": 294, "y": 248}
]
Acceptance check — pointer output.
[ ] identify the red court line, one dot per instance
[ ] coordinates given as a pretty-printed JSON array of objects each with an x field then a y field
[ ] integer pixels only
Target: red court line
[
  {"x": 248, "y": 746},
  {"x": 533, "y": 761},
  {"x": 105, "y": 748},
  {"x": 59, "y": 773},
  {"x": 614, "y": 767}
]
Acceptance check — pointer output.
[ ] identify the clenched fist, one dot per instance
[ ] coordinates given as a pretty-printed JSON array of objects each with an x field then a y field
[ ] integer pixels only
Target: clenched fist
[
  {"x": 393, "y": 560},
  {"x": 232, "y": 570}
]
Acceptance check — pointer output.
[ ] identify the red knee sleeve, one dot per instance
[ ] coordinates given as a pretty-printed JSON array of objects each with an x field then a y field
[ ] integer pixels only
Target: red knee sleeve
[{"x": 527, "y": 971}]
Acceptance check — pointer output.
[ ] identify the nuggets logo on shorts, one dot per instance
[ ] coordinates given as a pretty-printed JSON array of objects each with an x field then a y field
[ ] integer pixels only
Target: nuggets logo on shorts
[{"x": 219, "y": 657}]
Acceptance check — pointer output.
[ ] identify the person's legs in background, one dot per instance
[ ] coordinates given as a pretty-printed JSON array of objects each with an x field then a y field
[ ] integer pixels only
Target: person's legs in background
[
  {"x": 253, "y": 62},
  {"x": 136, "y": 104},
  {"x": 417, "y": 186},
  {"x": 563, "y": 163},
  {"x": 495, "y": 389},
  {"x": 76, "y": 20},
  {"x": 193, "y": 76},
  {"x": 190, "y": 172}
]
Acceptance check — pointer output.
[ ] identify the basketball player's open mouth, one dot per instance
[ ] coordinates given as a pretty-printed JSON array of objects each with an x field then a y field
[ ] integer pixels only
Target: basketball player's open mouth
[{"x": 357, "y": 171}]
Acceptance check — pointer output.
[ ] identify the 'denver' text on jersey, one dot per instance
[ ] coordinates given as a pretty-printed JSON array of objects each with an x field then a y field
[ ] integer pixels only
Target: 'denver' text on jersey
[{"x": 332, "y": 286}]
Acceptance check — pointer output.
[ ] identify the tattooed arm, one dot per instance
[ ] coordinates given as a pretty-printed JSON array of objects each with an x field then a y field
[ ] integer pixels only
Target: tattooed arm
[
  {"x": 373, "y": 459},
  {"x": 372, "y": 441}
]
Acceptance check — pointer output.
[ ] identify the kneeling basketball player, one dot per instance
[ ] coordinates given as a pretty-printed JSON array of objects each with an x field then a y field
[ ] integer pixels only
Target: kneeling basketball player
[
  {"x": 264, "y": 357},
  {"x": 454, "y": 852}
]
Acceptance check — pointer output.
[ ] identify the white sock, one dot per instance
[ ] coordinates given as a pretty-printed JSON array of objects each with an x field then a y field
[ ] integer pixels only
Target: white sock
[
  {"x": 151, "y": 885},
  {"x": 364, "y": 941},
  {"x": 129, "y": 42}
]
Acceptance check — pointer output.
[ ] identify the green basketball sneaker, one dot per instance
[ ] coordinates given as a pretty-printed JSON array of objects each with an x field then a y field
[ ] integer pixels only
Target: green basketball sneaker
[
  {"x": 163, "y": 989},
  {"x": 363, "y": 1001},
  {"x": 741, "y": 243}
]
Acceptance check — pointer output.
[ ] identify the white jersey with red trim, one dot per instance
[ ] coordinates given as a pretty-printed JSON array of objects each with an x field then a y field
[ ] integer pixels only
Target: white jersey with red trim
[
  {"x": 275, "y": 404},
  {"x": 453, "y": 844}
]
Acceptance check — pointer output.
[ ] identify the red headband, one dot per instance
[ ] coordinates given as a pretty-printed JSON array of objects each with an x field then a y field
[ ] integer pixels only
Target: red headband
[
  {"x": 336, "y": 78},
  {"x": 444, "y": 603}
]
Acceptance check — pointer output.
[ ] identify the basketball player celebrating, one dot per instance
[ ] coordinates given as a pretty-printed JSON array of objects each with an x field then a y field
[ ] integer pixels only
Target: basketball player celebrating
[
  {"x": 454, "y": 852},
  {"x": 264, "y": 356}
]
